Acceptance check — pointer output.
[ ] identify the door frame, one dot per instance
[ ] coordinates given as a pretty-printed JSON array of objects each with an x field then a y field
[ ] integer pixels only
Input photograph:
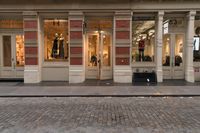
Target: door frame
[
  {"x": 172, "y": 69},
  {"x": 15, "y": 72},
  {"x": 93, "y": 69},
  {"x": 99, "y": 68},
  {"x": 106, "y": 69}
]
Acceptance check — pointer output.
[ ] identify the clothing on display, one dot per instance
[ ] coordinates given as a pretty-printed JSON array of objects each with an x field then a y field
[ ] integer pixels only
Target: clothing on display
[
  {"x": 61, "y": 48},
  {"x": 58, "y": 47},
  {"x": 54, "y": 48},
  {"x": 196, "y": 43},
  {"x": 141, "y": 49}
]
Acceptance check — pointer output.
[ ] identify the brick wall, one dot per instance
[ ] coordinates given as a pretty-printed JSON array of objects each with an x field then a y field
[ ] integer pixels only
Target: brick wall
[
  {"x": 122, "y": 46},
  {"x": 30, "y": 38},
  {"x": 76, "y": 46}
]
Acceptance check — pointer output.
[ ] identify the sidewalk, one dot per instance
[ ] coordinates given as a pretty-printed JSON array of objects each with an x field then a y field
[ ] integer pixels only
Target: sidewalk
[{"x": 97, "y": 89}]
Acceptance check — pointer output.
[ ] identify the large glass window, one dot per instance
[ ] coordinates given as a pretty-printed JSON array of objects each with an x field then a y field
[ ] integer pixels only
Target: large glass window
[
  {"x": 7, "y": 51},
  {"x": 172, "y": 50},
  {"x": 143, "y": 42},
  {"x": 11, "y": 24},
  {"x": 196, "y": 43},
  {"x": 106, "y": 49},
  {"x": 19, "y": 50},
  {"x": 55, "y": 40},
  {"x": 98, "y": 23},
  {"x": 92, "y": 50},
  {"x": 166, "y": 50}
]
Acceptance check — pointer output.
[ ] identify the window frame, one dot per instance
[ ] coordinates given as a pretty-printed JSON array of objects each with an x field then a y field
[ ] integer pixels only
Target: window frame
[
  {"x": 197, "y": 18},
  {"x": 144, "y": 17},
  {"x": 53, "y": 17}
]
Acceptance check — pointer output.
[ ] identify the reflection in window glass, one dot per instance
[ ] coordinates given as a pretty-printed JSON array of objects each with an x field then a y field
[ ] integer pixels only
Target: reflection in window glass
[
  {"x": 143, "y": 40},
  {"x": 196, "y": 42},
  {"x": 55, "y": 39}
]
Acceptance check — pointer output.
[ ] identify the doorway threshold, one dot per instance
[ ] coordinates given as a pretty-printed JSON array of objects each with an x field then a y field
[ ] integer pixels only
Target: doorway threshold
[{"x": 95, "y": 82}]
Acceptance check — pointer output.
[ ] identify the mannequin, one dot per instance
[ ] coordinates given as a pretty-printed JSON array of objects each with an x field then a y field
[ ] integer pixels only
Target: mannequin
[
  {"x": 141, "y": 49},
  {"x": 93, "y": 60},
  {"x": 61, "y": 46},
  {"x": 55, "y": 46}
]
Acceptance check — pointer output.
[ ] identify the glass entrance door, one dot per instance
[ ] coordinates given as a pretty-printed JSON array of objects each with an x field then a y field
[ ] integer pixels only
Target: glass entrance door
[
  {"x": 98, "y": 56},
  {"x": 12, "y": 56},
  {"x": 173, "y": 56}
]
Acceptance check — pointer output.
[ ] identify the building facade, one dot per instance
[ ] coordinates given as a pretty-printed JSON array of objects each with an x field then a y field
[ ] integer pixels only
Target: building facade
[{"x": 75, "y": 40}]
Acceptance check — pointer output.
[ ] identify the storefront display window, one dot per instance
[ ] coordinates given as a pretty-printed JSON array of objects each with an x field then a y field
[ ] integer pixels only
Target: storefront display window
[
  {"x": 143, "y": 39},
  {"x": 196, "y": 42},
  {"x": 55, "y": 40}
]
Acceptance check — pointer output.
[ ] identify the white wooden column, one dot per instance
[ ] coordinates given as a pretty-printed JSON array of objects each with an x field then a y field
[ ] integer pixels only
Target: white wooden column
[
  {"x": 189, "y": 68},
  {"x": 159, "y": 43}
]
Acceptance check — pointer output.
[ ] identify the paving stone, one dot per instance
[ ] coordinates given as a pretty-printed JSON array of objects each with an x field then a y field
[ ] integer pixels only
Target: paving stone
[{"x": 100, "y": 115}]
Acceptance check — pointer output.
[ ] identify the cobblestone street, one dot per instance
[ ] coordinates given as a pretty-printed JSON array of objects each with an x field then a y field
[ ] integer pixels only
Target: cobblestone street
[{"x": 100, "y": 115}]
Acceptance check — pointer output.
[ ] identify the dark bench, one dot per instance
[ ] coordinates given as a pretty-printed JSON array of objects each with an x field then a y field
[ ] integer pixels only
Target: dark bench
[{"x": 144, "y": 77}]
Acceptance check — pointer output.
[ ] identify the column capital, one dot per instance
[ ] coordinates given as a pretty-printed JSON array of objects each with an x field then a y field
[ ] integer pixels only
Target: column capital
[
  {"x": 123, "y": 14},
  {"x": 191, "y": 13},
  {"x": 77, "y": 15},
  {"x": 161, "y": 13},
  {"x": 30, "y": 13}
]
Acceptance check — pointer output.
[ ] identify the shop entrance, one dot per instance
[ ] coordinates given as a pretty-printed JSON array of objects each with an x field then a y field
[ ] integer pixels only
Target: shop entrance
[
  {"x": 12, "y": 56},
  {"x": 173, "y": 56},
  {"x": 99, "y": 55}
]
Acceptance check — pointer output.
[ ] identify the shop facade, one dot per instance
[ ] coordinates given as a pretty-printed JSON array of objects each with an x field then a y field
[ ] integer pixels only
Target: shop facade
[{"x": 75, "y": 41}]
